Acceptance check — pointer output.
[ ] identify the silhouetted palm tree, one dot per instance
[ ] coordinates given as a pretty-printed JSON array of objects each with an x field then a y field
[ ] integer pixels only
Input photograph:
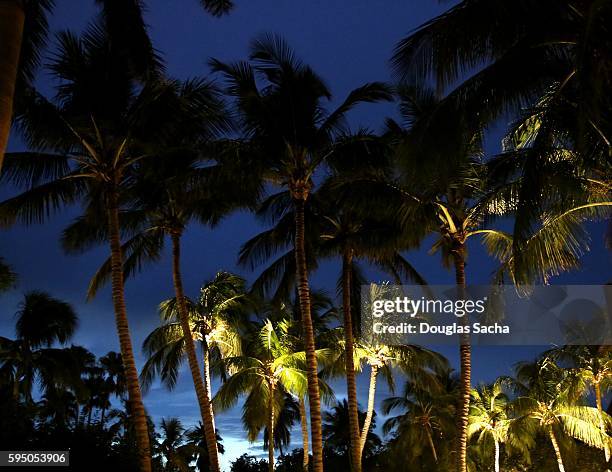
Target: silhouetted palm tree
[
  {"x": 101, "y": 128},
  {"x": 427, "y": 418},
  {"x": 42, "y": 321},
  {"x": 177, "y": 453},
  {"x": 197, "y": 436},
  {"x": 336, "y": 431}
]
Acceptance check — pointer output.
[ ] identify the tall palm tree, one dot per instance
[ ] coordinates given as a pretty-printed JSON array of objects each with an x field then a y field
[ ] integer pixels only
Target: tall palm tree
[
  {"x": 334, "y": 230},
  {"x": 549, "y": 402},
  {"x": 489, "y": 416},
  {"x": 212, "y": 322},
  {"x": 288, "y": 136},
  {"x": 42, "y": 321},
  {"x": 266, "y": 372},
  {"x": 169, "y": 197},
  {"x": 353, "y": 236},
  {"x": 412, "y": 360},
  {"x": 23, "y": 30},
  {"x": 92, "y": 144}
]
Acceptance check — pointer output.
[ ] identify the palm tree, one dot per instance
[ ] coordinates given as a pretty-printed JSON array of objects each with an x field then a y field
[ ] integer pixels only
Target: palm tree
[
  {"x": 288, "y": 310},
  {"x": 101, "y": 141},
  {"x": 427, "y": 418},
  {"x": 197, "y": 436},
  {"x": 548, "y": 401},
  {"x": 8, "y": 277},
  {"x": 288, "y": 136},
  {"x": 268, "y": 370},
  {"x": 214, "y": 323},
  {"x": 42, "y": 321},
  {"x": 23, "y": 30},
  {"x": 413, "y": 360},
  {"x": 593, "y": 365},
  {"x": 337, "y": 434},
  {"x": 489, "y": 416},
  {"x": 176, "y": 452}
]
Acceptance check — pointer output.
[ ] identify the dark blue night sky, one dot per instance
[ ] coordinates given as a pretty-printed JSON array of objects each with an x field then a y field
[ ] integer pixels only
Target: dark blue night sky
[{"x": 348, "y": 43}]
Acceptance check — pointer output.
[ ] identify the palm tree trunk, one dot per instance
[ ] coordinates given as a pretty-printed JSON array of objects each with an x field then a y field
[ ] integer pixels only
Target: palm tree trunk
[
  {"x": 351, "y": 382},
  {"x": 496, "y": 456},
  {"x": 465, "y": 356},
  {"x": 201, "y": 391},
  {"x": 304, "y": 424},
  {"x": 136, "y": 407},
  {"x": 309, "y": 338},
  {"x": 15, "y": 392},
  {"x": 602, "y": 426},
  {"x": 271, "y": 429},
  {"x": 432, "y": 446},
  {"x": 12, "y": 19},
  {"x": 555, "y": 445},
  {"x": 207, "y": 383},
  {"x": 370, "y": 411}
]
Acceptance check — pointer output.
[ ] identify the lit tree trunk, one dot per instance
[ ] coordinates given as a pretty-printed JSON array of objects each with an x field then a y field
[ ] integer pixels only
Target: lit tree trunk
[
  {"x": 309, "y": 338},
  {"x": 602, "y": 426},
  {"x": 201, "y": 392},
  {"x": 12, "y": 19},
  {"x": 370, "y": 411},
  {"x": 304, "y": 424},
  {"x": 555, "y": 445},
  {"x": 351, "y": 382},
  {"x": 465, "y": 356},
  {"x": 135, "y": 405},
  {"x": 496, "y": 455},
  {"x": 208, "y": 384},
  {"x": 271, "y": 428},
  {"x": 432, "y": 446}
]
